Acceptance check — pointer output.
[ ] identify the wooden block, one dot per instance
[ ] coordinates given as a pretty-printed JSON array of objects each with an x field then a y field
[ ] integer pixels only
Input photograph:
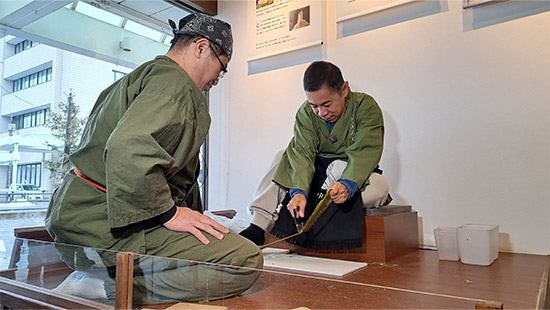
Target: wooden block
[
  {"x": 227, "y": 213},
  {"x": 487, "y": 304},
  {"x": 124, "y": 280},
  {"x": 34, "y": 233},
  {"x": 391, "y": 236},
  {"x": 385, "y": 237}
]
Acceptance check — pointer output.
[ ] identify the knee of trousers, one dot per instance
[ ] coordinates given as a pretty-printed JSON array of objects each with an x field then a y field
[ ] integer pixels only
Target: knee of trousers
[
  {"x": 376, "y": 193},
  {"x": 248, "y": 261},
  {"x": 231, "y": 274},
  {"x": 336, "y": 168}
]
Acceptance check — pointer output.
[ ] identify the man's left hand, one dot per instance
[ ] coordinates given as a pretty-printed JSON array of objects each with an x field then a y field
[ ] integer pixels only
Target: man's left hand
[{"x": 338, "y": 192}]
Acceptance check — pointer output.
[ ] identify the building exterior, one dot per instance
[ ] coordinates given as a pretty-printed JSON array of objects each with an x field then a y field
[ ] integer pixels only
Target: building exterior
[{"x": 34, "y": 79}]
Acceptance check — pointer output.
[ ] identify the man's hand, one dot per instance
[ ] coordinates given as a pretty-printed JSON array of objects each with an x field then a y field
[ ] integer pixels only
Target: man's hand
[
  {"x": 191, "y": 221},
  {"x": 339, "y": 192},
  {"x": 297, "y": 205}
]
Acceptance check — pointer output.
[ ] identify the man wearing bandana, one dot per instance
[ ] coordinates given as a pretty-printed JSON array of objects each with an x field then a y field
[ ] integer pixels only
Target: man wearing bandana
[{"x": 134, "y": 183}]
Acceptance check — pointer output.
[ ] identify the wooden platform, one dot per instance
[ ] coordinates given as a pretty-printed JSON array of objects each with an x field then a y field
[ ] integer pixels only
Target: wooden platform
[{"x": 416, "y": 280}]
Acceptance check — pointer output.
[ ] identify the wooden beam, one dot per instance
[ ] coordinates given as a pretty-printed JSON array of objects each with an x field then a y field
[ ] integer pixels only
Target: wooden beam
[
  {"x": 226, "y": 213},
  {"x": 209, "y": 7},
  {"x": 124, "y": 280},
  {"x": 18, "y": 295},
  {"x": 543, "y": 301}
]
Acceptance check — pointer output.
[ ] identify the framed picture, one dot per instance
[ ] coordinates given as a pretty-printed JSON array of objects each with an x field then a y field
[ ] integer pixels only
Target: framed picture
[{"x": 283, "y": 26}]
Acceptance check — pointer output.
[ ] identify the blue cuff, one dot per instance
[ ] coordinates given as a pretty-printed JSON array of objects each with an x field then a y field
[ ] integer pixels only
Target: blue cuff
[
  {"x": 294, "y": 191},
  {"x": 350, "y": 186}
]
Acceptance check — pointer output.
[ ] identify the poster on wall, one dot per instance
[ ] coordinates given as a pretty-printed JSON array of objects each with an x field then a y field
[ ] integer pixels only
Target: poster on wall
[
  {"x": 350, "y": 9},
  {"x": 281, "y": 26}
]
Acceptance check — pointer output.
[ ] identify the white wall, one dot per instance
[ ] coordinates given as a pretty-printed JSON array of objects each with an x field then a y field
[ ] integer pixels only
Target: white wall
[
  {"x": 467, "y": 118},
  {"x": 86, "y": 77}
]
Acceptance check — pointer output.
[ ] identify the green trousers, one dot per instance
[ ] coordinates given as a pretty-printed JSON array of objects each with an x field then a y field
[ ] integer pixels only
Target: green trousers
[{"x": 169, "y": 266}]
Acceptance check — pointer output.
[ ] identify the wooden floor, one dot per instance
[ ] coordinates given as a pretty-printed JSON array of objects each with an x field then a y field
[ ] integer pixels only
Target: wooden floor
[{"x": 417, "y": 280}]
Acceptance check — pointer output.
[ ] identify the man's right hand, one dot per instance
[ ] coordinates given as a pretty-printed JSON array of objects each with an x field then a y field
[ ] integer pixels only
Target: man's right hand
[
  {"x": 297, "y": 205},
  {"x": 187, "y": 220}
]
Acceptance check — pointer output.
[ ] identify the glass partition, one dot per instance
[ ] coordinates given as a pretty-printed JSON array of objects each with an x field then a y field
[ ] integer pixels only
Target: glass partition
[
  {"x": 85, "y": 275},
  {"x": 68, "y": 270}
]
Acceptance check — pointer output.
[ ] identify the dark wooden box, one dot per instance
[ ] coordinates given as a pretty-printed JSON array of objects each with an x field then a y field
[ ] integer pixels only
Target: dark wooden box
[{"x": 389, "y": 232}]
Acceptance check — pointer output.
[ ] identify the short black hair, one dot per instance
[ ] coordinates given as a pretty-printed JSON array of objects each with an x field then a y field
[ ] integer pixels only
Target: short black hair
[{"x": 320, "y": 73}]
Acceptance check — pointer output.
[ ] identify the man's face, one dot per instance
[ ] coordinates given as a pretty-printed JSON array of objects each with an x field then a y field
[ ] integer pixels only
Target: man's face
[
  {"x": 212, "y": 69},
  {"x": 328, "y": 104}
]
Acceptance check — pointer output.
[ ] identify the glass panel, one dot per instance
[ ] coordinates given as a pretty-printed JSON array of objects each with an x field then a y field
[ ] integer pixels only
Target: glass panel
[
  {"x": 41, "y": 77},
  {"x": 32, "y": 79},
  {"x": 90, "y": 273},
  {"x": 62, "y": 270},
  {"x": 143, "y": 30},
  {"x": 118, "y": 75},
  {"x": 99, "y": 14},
  {"x": 168, "y": 39},
  {"x": 31, "y": 187},
  {"x": 27, "y": 122},
  {"x": 33, "y": 119}
]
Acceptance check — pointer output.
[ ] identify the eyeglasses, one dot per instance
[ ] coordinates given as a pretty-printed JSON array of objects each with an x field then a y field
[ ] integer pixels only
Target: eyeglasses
[{"x": 224, "y": 68}]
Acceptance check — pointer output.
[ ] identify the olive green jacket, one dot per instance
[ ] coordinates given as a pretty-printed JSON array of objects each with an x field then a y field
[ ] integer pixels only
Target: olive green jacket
[
  {"x": 360, "y": 138},
  {"x": 142, "y": 142}
]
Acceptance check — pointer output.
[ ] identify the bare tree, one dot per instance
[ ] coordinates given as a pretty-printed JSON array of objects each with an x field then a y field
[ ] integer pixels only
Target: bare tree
[{"x": 66, "y": 127}]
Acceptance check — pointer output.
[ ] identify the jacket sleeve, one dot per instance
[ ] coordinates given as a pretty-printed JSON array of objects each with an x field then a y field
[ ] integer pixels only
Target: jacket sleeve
[
  {"x": 138, "y": 154},
  {"x": 297, "y": 165},
  {"x": 366, "y": 149}
]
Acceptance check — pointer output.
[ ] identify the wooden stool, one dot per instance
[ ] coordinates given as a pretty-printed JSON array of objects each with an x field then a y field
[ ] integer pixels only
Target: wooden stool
[{"x": 389, "y": 232}]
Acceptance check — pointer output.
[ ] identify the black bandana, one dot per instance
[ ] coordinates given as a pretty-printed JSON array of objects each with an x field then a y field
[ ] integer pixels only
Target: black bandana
[{"x": 215, "y": 30}]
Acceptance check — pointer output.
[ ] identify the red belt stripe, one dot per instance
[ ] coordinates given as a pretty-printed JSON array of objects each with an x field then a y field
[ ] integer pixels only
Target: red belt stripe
[{"x": 92, "y": 182}]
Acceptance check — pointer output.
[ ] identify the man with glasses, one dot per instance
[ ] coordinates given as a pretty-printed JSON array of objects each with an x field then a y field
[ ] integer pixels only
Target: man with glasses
[{"x": 134, "y": 183}]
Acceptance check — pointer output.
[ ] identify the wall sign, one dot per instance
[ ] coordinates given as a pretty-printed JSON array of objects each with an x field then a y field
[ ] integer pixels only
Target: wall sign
[{"x": 281, "y": 26}]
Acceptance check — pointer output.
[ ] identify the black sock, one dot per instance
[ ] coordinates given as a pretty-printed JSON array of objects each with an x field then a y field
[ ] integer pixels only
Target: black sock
[{"x": 254, "y": 233}]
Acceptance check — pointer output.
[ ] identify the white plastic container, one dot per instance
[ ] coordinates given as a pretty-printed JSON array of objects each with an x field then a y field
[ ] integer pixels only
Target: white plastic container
[
  {"x": 446, "y": 240},
  {"x": 478, "y": 244}
]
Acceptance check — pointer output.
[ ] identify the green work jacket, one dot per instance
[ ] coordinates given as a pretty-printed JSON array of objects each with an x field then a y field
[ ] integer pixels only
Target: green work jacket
[
  {"x": 142, "y": 142},
  {"x": 360, "y": 139}
]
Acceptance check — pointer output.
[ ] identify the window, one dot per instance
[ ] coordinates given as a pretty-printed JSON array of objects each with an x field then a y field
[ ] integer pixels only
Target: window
[
  {"x": 143, "y": 30},
  {"x": 32, "y": 119},
  {"x": 31, "y": 80},
  {"x": 24, "y": 45},
  {"x": 119, "y": 75},
  {"x": 99, "y": 14},
  {"x": 29, "y": 174}
]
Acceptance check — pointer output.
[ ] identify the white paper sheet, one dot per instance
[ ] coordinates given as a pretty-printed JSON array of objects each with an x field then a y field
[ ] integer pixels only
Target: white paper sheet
[{"x": 333, "y": 267}]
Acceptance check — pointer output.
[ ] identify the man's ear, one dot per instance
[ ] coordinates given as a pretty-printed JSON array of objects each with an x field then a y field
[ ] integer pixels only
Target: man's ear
[
  {"x": 201, "y": 47},
  {"x": 345, "y": 89}
]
